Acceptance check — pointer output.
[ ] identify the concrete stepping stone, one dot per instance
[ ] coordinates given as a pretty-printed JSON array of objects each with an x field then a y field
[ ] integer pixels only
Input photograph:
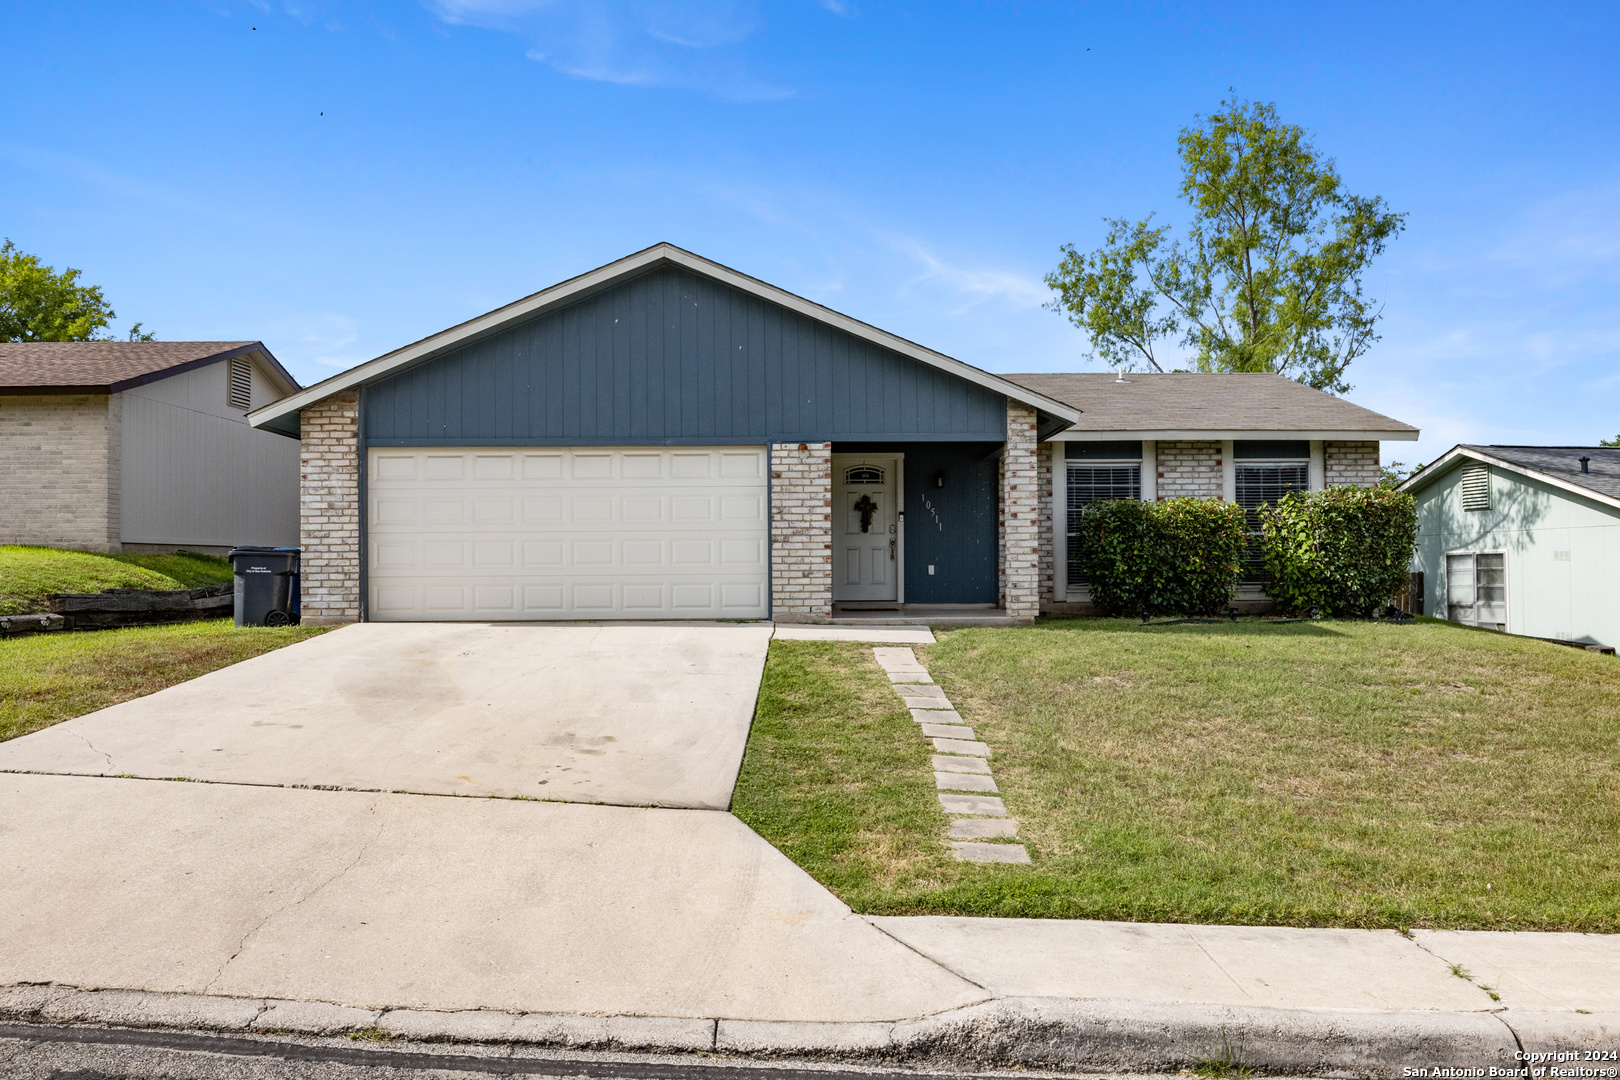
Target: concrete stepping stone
[
  {"x": 937, "y": 716},
  {"x": 912, "y": 690},
  {"x": 896, "y": 658},
  {"x": 977, "y": 828},
  {"x": 909, "y": 677},
  {"x": 944, "y": 763},
  {"x": 959, "y": 781},
  {"x": 947, "y": 731},
  {"x": 983, "y": 805},
  {"x": 990, "y": 853},
  {"x": 961, "y": 746}
]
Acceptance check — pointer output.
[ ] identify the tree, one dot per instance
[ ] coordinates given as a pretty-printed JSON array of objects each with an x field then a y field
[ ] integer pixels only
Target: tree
[
  {"x": 1610, "y": 442},
  {"x": 39, "y": 304},
  {"x": 1269, "y": 277}
]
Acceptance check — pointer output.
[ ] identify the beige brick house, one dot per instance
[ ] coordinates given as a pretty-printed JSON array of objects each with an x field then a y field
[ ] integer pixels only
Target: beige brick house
[
  {"x": 143, "y": 446},
  {"x": 667, "y": 438}
]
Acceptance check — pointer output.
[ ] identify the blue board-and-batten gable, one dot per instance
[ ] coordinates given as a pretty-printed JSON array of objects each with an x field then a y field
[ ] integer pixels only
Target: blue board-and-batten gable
[{"x": 672, "y": 357}]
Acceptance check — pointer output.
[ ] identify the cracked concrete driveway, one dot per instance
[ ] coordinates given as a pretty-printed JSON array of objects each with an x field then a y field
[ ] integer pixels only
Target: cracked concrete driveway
[{"x": 648, "y": 715}]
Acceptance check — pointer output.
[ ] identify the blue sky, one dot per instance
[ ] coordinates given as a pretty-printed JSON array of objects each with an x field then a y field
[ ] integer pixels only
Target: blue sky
[{"x": 340, "y": 178}]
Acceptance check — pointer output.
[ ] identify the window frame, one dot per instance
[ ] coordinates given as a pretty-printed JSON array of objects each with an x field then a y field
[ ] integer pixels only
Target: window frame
[
  {"x": 1445, "y": 588},
  {"x": 1062, "y": 586},
  {"x": 1253, "y": 536}
]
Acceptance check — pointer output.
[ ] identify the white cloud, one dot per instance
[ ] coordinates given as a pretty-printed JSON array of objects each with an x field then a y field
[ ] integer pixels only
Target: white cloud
[
  {"x": 691, "y": 44},
  {"x": 972, "y": 285}
]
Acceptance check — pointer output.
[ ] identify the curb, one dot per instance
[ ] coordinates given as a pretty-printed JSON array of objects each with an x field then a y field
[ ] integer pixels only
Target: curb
[{"x": 1039, "y": 1033}]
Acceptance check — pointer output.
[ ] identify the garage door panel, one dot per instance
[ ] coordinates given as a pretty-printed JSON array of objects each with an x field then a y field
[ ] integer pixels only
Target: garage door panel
[{"x": 549, "y": 534}]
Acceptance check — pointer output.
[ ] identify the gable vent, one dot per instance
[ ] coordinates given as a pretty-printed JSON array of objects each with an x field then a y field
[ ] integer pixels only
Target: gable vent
[
  {"x": 241, "y": 388},
  {"x": 1476, "y": 487}
]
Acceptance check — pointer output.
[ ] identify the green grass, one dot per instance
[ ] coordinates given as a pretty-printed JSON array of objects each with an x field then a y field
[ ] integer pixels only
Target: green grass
[
  {"x": 48, "y": 678},
  {"x": 29, "y": 574},
  {"x": 1305, "y": 774}
]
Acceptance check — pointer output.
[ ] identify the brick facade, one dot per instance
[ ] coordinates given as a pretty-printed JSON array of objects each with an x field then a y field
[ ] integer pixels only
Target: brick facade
[
  {"x": 1020, "y": 511},
  {"x": 329, "y": 506},
  {"x": 801, "y": 532},
  {"x": 1353, "y": 464},
  {"x": 1189, "y": 470},
  {"x": 61, "y": 486}
]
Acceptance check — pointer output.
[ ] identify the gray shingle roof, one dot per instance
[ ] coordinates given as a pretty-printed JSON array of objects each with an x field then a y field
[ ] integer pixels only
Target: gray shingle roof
[
  {"x": 106, "y": 366},
  {"x": 1177, "y": 401},
  {"x": 1563, "y": 462}
]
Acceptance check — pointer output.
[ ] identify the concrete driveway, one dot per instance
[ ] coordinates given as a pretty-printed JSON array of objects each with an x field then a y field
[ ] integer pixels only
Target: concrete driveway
[{"x": 653, "y": 715}]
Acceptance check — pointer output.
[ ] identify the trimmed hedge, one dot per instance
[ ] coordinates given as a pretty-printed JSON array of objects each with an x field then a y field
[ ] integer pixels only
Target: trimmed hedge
[
  {"x": 1345, "y": 550},
  {"x": 1176, "y": 557}
]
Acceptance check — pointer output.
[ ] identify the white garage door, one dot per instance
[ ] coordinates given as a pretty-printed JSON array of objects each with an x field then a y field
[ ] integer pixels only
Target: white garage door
[{"x": 579, "y": 533}]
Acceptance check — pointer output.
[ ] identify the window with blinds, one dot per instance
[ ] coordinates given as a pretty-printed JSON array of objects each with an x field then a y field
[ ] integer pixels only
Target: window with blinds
[
  {"x": 240, "y": 391},
  {"x": 1094, "y": 483},
  {"x": 1476, "y": 487},
  {"x": 1264, "y": 483},
  {"x": 1476, "y": 588}
]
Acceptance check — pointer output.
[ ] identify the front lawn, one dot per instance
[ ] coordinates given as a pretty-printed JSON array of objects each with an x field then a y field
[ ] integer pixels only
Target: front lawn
[
  {"x": 48, "y": 678},
  {"x": 1304, "y": 774},
  {"x": 29, "y": 574}
]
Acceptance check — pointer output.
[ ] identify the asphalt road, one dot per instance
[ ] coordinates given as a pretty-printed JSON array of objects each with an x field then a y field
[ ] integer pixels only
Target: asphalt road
[{"x": 46, "y": 1052}]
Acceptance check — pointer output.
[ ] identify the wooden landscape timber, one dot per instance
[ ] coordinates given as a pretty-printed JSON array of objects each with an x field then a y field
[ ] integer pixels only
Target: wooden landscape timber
[{"x": 141, "y": 607}]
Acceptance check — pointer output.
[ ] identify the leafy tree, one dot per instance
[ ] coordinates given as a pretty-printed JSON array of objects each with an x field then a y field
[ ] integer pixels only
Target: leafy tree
[
  {"x": 39, "y": 304},
  {"x": 1269, "y": 277},
  {"x": 1610, "y": 442}
]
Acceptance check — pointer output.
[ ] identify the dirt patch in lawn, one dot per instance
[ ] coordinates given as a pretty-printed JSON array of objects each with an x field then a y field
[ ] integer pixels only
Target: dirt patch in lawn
[{"x": 1307, "y": 774}]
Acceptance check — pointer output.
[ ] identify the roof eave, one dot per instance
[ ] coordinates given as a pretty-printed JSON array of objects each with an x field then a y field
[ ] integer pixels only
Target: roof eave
[
  {"x": 1216, "y": 434},
  {"x": 631, "y": 266},
  {"x": 1450, "y": 458}
]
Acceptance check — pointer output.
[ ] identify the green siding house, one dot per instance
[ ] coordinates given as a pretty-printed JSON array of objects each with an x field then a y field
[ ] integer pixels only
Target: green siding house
[{"x": 1524, "y": 539}]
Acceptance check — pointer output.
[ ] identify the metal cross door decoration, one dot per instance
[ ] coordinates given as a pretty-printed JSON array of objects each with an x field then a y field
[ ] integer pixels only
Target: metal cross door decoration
[{"x": 866, "y": 508}]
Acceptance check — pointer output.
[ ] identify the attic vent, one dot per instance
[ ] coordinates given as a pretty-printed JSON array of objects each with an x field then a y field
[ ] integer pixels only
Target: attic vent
[
  {"x": 240, "y": 395},
  {"x": 1476, "y": 487}
]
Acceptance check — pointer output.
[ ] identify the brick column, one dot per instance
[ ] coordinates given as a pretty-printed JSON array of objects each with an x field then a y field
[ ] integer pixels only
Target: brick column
[
  {"x": 801, "y": 532},
  {"x": 1189, "y": 470},
  {"x": 329, "y": 509},
  {"x": 1020, "y": 511},
  {"x": 1352, "y": 464}
]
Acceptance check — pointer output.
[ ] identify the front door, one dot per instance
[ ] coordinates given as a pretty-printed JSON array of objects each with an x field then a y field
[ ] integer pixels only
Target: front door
[{"x": 866, "y": 527}]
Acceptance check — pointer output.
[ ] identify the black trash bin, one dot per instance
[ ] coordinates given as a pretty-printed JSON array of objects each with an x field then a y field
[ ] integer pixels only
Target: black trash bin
[{"x": 266, "y": 585}]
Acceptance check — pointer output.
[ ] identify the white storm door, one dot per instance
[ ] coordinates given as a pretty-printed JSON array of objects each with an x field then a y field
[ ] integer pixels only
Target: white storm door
[
  {"x": 496, "y": 533},
  {"x": 866, "y": 533}
]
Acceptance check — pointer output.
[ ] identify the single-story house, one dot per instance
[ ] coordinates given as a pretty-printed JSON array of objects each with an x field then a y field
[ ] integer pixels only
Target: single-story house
[
  {"x": 144, "y": 446},
  {"x": 665, "y": 437},
  {"x": 1524, "y": 539}
]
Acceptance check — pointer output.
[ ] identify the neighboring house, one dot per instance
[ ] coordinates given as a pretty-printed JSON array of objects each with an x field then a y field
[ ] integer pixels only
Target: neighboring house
[
  {"x": 143, "y": 446},
  {"x": 1244, "y": 438},
  {"x": 668, "y": 438},
  {"x": 1524, "y": 539}
]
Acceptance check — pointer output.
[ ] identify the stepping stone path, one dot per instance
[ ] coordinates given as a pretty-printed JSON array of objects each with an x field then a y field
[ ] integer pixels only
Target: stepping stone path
[{"x": 961, "y": 765}]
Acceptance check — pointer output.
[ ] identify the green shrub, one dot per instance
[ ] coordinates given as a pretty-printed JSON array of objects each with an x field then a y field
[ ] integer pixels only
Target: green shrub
[
  {"x": 1345, "y": 550},
  {"x": 1176, "y": 557}
]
